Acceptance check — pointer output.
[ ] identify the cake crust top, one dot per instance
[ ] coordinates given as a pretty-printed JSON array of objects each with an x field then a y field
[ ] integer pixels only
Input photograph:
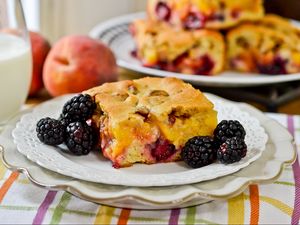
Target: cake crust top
[{"x": 156, "y": 96}]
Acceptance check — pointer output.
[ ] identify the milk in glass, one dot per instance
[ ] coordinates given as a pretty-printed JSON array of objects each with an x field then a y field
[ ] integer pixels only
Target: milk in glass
[{"x": 15, "y": 74}]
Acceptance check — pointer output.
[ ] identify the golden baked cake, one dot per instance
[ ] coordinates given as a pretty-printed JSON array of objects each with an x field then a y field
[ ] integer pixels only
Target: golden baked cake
[
  {"x": 162, "y": 47},
  {"x": 150, "y": 119},
  {"x": 283, "y": 26},
  {"x": 271, "y": 46},
  {"x": 197, "y": 14}
]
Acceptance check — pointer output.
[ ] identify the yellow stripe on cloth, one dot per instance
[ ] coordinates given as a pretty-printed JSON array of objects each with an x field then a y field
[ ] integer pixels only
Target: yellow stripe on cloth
[
  {"x": 104, "y": 215},
  {"x": 278, "y": 204},
  {"x": 2, "y": 171},
  {"x": 236, "y": 210}
]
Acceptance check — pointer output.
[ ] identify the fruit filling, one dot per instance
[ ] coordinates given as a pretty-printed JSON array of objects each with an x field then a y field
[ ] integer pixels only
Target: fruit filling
[
  {"x": 162, "y": 150},
  {"x": 193, "y": 16},
  {"x": 163, "y": 11},
  {"x": 194, "y": 21},
  {"x": 278, "y": 66},
  {"x": 203, "y": 65}
]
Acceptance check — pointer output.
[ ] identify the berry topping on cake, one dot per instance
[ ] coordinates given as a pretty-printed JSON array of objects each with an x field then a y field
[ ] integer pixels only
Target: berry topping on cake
[
  {"x": 80, "y": 138},
  {"x": 228, "y": 129},
  {"x": 79, "y": 108},
  {"x": 50, "y": 131},
  {"x": 232, "y": 150},
  {"x": 199, "y": 151},
  {"x": 163, "y": 11}
]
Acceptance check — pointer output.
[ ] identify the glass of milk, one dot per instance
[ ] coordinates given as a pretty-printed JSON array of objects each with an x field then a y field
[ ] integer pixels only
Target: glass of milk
[{"x": 15, "y": 59}]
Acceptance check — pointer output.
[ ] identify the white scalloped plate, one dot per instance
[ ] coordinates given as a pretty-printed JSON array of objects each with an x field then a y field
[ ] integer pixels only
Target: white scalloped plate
[
  {"x": 266, "y": 169},
  {"x": 115, "y": 34},
  {"x": 95, "y": 168}
]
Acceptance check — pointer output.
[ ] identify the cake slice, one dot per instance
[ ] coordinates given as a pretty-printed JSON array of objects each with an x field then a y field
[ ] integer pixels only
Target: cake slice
[
  {"x": 270, "y": 46},
  {"x": 197, "y": 14},
  {"x": 162, "y": 47},
  {"x": 150, "y": 119}
]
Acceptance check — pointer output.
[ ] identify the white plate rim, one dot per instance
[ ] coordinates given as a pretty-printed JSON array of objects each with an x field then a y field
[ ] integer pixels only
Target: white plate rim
[{"x": 190, "y": 176}]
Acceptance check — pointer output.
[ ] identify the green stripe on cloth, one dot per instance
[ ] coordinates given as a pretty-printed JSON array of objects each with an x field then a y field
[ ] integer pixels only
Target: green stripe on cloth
[
  {"x": 202, "y": 221},
  {"x": 190, "y": 215},
  {"x": 80, "y": 213},
  {"x": 60, "y": 208},
  {"x": 148, "y": 219},
  {"x": 29, "y": 208},
  {"x": 18, "y": 208},
  {"x": 285, "y": 183}
]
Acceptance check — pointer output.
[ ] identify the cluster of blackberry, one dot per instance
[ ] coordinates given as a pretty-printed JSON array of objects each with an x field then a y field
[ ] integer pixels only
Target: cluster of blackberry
[
  {"x": 228, "y": 146},
  {"x": 71, "y": 127}
]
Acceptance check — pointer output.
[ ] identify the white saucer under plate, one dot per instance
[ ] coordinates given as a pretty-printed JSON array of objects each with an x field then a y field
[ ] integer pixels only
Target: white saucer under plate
[
  {"x": 266, "y": 169},
  {"x": 116, "y": 35},
  {"x": 95, "y": 168}
]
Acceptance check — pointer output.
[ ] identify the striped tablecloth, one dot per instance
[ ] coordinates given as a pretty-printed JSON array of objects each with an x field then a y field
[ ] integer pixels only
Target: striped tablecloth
[{"x": 277, "y": 203}]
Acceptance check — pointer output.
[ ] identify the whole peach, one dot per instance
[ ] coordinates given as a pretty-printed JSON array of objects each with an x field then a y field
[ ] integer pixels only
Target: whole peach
[
  {"x": 40, "y": 48},
  {"x": 76, "y": 63}
]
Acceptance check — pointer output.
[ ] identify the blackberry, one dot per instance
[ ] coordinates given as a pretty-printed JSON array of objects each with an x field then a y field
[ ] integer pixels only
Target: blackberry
[
  {"x": 80, "y": 139},
  {"x": 199, "y": 151},
  {"x": 232, "y": 150},
  {"x": 228, "y": 129},
  {"x": 50, "y": 131},
  {"x": 64, "y": 120},
  {"x": 79, "y": 108}
]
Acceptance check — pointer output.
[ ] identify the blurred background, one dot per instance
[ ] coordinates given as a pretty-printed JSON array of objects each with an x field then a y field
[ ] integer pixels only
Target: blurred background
[{"x": 55, "y": 18}]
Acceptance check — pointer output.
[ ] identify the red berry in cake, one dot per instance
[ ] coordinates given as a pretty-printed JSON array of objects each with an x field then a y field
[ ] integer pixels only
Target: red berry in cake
[
  {"x": 194, "y": 21},
  {"x": 162, "y": 150},
  {"x": 79, "y": 108},
  {"x": 80, "y": 138},
  {"x": 199, "y": 151},
  {"x": 50, "y": 131},
  {"x": 232, "y": 150},
  {"x": 228, "y": 129},
  {"x": 278, "y": 66},
  {"x": 163, "y": 11},
  {"x": 206, "y": 66}
]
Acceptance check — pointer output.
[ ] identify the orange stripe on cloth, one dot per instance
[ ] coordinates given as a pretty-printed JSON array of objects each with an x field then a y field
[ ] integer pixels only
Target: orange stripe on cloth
[
  {"x": 104, "y": 215},
  {"x": 254, "y": 202},
  {"x": 7, "y": 184},
  {"x": 236, "y": 210},
  {"x": 124, "y": 216}
]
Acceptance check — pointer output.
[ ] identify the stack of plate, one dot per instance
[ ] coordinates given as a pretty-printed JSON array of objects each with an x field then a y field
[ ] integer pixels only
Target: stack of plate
[{"x": 159, "y": 186}]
